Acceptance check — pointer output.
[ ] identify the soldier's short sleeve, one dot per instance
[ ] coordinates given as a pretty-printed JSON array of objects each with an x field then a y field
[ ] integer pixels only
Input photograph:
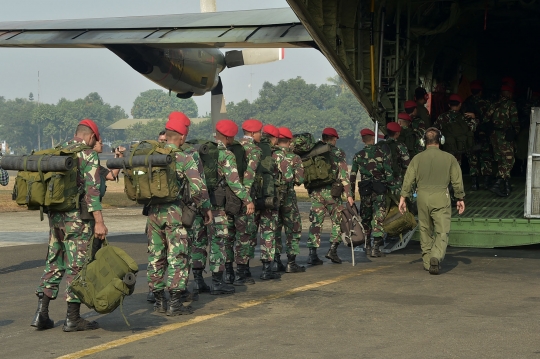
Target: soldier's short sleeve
[
  {"x": 253, "y": 156},
  {"x": 89, "y": 170},
  {"x": 227, "y": 164},
  {"x": 187, "y": 168}
]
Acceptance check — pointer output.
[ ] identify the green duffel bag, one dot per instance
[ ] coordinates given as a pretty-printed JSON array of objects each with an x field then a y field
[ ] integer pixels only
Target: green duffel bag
[
  {"x": 103, "y": 282},
  {"x": 395, "y": 223}
]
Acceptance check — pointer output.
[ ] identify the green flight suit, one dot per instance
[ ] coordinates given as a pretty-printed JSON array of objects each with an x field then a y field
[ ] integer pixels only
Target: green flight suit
[{"x": 432, "y": 170}]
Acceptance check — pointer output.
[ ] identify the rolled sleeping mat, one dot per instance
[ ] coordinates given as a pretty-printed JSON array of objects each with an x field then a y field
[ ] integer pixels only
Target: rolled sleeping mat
[
  {"x": 202, "y": 148},
  {"x": 48, "y": 163},
  {"x": 157, "y": 160},
  {"x": 317, "y": 151}
]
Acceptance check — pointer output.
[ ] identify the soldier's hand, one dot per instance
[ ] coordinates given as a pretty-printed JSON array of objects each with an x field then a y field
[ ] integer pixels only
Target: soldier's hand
[
  {"x": 470, "y": 114},
  {"x": 351, "y": 200},
  {"x": 402, "y": 205},
  {"x": 250, "y": 208},
  {"x": 460, "y": 205},
  {"x": 100, "y": 230},
  {"x": 208, "y": 217}
]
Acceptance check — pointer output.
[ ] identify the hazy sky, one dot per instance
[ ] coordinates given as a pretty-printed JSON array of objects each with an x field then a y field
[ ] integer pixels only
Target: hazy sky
[{"x": 73, "y": 73}]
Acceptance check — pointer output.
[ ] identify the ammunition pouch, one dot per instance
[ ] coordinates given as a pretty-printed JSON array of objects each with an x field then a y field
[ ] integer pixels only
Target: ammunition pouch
[
  {"x": 189, "y": 212},
  {"x": 365, "y": 188},
  {"x": 217, "y": 197},
  {"x": 233, "y": 204},
  {"x": 282, "y": 194},
  {"x": 379, "y": 187},
  {"x": 337, "y": 190},
  {"x": 83, "y": 208}
]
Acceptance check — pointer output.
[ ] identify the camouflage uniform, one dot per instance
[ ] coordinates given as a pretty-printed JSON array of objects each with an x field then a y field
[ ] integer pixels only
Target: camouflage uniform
[
  {"x": 504, "y": 115},
  {"x": 70, "y": 235},
  {"x": 402, "y": 159},
  {"x": 374, "y": 163},
  {"x": 480, "y": 161},
  {"x": 418, "y": 123},
  {"x": 168, "y": 241},
  {"x": 323, "y": 203},
  {"x": 292, "y": 173},
  {"x": 423, "y": 114},
  {"x": 451, "y": 117}
]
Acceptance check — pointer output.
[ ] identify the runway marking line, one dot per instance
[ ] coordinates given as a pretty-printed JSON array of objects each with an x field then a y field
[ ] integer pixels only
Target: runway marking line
[{"x": 202, "y": 318}]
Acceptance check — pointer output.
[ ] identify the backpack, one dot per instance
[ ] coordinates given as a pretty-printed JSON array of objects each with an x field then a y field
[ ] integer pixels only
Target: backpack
[
  {"x": 209, "y": 153},
  {"x": 57, "y": 191},
  {"x": 396, "y": 223},
  {"x": 458, "y": 137},
  {"x": 103, "y": 282},
  {"x": 352, "y": 231},
  {"x": 263, "y": 190},
  {"x": 240, "y": 154},
  {"x": 303, "y": 143},
  {"x": 318, "y": 166},
  {"x": 394, "y": 153},
  {"x": 149, "y": 184},
  {"x": 409, "y": 138}
]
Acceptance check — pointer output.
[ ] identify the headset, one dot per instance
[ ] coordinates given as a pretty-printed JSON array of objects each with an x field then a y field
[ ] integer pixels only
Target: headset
[{"x": 440, "y": 136}]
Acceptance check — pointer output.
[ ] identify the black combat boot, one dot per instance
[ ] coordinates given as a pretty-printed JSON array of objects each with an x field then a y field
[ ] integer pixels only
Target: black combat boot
[
  {"x": 74, "y": 322},
  {"x": 218, "y": 286},
  {"x": 41, "y": 319},
  {"x": 508, "y": 186},
  {"x": 241, "y": 278},
  {"x": 375, "y": 251},
  {"x": 248, "y": 272},
  {"x": 267, "y": 273},
  {"x": 488, "y": 182},
  {"x": 150, "y": 297},
  {"x": 475, "y": 186},
  {"x": 199, "y": 284},
  {"x": 292, "y": 267},
  {"x": 277, "y": 265},
  {"x": 160, "y": 304},
  {"x": 499, "y": 188},
  {"x": 229, "y": 273},
  {"x": 175, "y": 304},
  {"x": 188, "y": 296},
  {"x": 332, "y": 253},
  {"x": 313, "y": 258}
]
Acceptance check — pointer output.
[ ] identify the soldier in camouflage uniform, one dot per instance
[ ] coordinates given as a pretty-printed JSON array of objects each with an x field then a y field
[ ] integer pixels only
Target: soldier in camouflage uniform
[
  {"x": 168, "y": 241},
  {"x": 417, "y": 122},
  {"x": 322, "y": 203},
  {"x": 70, "y": 235},
  {"x": 375, "y": 165},
  {"x": 292, "y": 174},
  {"x": 421, "y": 97},
  {"x": 480, "y": 160},
  {"x": 504, "y": 117},
  {"x": 409, "y": 136},
  {"x": 399, "y": 154}
]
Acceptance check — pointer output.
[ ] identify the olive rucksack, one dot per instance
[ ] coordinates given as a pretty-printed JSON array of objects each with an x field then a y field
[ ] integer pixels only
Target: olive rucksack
[
  {"x": 458, "y": 137},
  {"x": 394, "y": 153},
  {"x": 209, "y": 153},
  {"x": 409, "y": 137},
  {"x": 56, "y": 191},
  {"x": 240, "y": 154},
  {"x": 264, "y": 190},
  {"x": 317, "y": 165},
  {"x": 303, "y": 143},
  {"x": 352, "y": 231},
  {"x": 150, "y": 184}
]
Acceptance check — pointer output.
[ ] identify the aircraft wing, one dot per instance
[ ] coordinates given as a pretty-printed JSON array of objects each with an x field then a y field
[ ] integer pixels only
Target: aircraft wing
[{"x": 233, "y": 29}]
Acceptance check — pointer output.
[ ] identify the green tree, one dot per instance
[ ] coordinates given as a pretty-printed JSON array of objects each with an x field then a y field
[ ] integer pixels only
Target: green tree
[
  {"x": 148, "y": 131},
  {"x": 158, "y": 104}
]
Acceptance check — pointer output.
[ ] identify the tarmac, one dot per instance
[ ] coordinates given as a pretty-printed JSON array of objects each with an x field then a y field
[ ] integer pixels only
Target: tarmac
[{"x": 484, "y": 304}]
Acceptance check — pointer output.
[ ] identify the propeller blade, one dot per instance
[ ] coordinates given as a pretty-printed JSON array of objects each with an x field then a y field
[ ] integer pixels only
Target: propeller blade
[
  {"x": 208, "y": 5},
  {"x": 218, "y": 111},
  {"x": 236, "y": 58}
]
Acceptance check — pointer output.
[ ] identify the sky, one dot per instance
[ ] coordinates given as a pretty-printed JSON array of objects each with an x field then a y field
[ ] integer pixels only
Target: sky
[{"x": 74, "y": 73}]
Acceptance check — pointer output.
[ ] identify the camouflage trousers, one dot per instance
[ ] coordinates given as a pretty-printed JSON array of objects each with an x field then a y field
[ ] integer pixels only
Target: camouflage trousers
[
  {"x": 480, "y": 162},
  {"x": 322, "y": 203},
  {"x": 503, "y": 153},
  {"x": 198, "y": 235},
  {"x": 289, "y": 217},
  {"x": 241, "y": 242},
  {"x": 214, "y": 234},
  {"x": 267, "y": 220},
  {"x": 69, "y": 239},
  {"x": 168, "y": 248},
  {"x": 373, "y": 213}
]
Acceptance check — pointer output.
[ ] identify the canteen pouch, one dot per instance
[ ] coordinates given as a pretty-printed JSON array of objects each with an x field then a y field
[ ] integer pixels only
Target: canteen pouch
[
  {"x": 217, "y": 197},
  {"x": 379, "y": 187},
  {"x": 337, "y": 190},
  {"x": 233, "y": 204},
  {"x": 365, "y": 188},
  {"x": 189, "y": 212}
]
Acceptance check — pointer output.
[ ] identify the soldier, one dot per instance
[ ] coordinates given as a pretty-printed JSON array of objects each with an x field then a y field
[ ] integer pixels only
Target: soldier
[
  {"x": 242, "y": 226},
  {"x": 161, "y": 137},
  {"x": 168, "y": 240},
  {"x": 4, "y": 175},
  {"x": 504, "y": 117},
  {"x": 375, "y": 165},
  {"x": 70, "y": 235},
  {"x": 417, "y": 122},
  {"x": 421, "y": 97},
  {"x": 399, "y": 154},
  {"x": 324, "y": 200},
  {"x": 432, "y": 171},
  {"x": 292, "y": 174},
  {"x": 480, "y": 160},
  {"x": 409, "y": 136}
]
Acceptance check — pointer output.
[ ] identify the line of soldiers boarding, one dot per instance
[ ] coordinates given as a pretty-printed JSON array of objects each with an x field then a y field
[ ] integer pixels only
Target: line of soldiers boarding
[{"x": 223, "y": 239}]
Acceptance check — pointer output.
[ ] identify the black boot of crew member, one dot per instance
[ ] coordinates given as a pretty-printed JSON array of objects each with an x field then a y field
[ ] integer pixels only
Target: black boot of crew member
[
  {"x": 198, "y": 282},
  {"x": 229, "y": 273},
  {"x": 313, "y": 258},
  {"x": 74, "y": 322},
  {"x": 499, "y": 188},
  {"x": 292, "y": 267},
  {"x": 267, "y": 272},
  {"x": 150, "y": 296},
  {"x": 219, "y": 286},
  {"x": 475, "y": 186},
  {"x": 41, "y": 319},
  {"x": 332, "y": 253},
  {"x": 277, "y": 265},
  {"x": 508, "y": 186},
  {"x": 248, "y": 272},
  {"x": 241, "y": 279},
  {"x": 160, "y": 304},
  {"x": 175, "y": 304}
]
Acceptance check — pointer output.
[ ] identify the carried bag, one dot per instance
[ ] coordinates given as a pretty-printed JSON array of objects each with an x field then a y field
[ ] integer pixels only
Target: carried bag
[
  {"x": 103, "y": 282},
  {"x": 396, "y": 223},
  {"x": 233, "y": 204},
  {"x": 303, "y": 143},
  {"x": 458, "y": 136},
  {"x": 352, "y": 231},
  {"x": 264, "y": 189},
  {"x": 318, "y": 167},
  {"x": 365, "y": 188}
]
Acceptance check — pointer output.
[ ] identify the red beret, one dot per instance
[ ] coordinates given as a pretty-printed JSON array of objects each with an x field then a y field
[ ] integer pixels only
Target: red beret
[
  {"x": 476, "y": 85},
  {"x": 393, "y": 126},
  {"x": 404, "y": 116},
  {"x": 92, "y": 125},
  {"x": 179, "y": 116},
  {"x": 455, "y": 97},
  {"x": 330, "y": 132},
  {"x": 176, "y": 126},
  {"x": 227, "y": 128},
  {"x": 507, "y": 88},
  {"x": 367, "y": 132},
  {"x": 252, "y": 125},
  {"x": 271, "y": 130},
  {"x": 410, "y": 104},
  {"x": 509, "y": 81},
  {"x": 284, "y": 132}
]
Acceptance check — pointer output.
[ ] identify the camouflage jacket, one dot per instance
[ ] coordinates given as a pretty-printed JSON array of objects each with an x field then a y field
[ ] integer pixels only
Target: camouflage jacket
[
  {"x": 278, "y": 154},
  {"x": 290, "y": 166},
  {"x": 341, "y": 170},
  {"x": 453, "y": 116},
  {"x": 477, "y": 105},
  {"x": 253, "y": 156},
  {"x": 227, "y": 170},
  {"x": 418, "y": 123},
  {"x": 88, "y": 178},
  {"x": 374, "y": 163},
  {"x": 504, "y": 115},
  {"x": 188, "y": 170},
  {"x": 401, "y": 158},
  {"x": 197, "y": 158},
  {"x": 423, "y": 113}
]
